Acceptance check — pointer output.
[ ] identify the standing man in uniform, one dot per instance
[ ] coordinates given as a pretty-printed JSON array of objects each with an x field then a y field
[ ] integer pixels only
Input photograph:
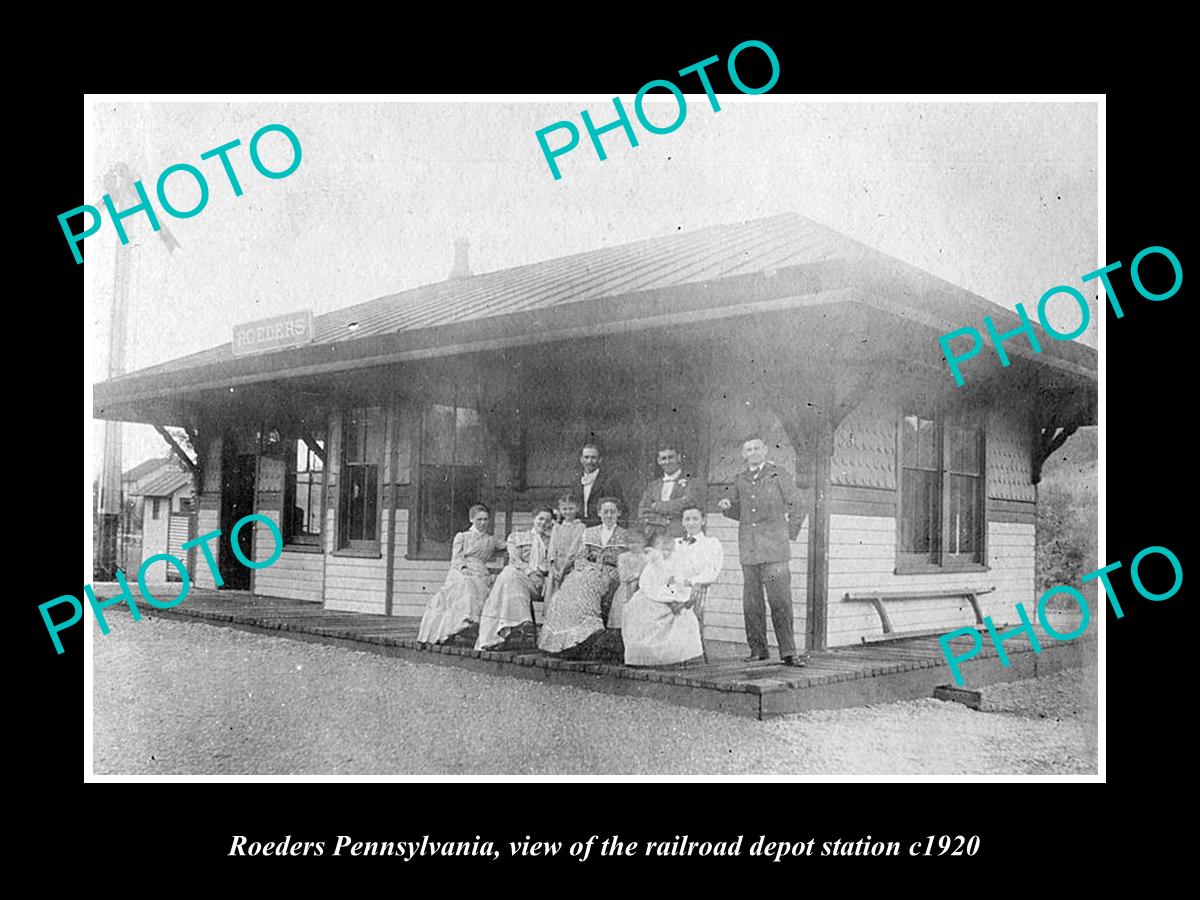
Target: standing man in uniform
[
  {"x": 768, "y": 508},
  {"x": 665, "y": 499},
  {"x": 592, "y": 486}
]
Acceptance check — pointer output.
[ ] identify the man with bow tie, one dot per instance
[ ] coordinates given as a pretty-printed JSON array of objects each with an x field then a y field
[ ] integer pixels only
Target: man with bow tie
[
  {"x": 766, "y": 503},
  {"x": 665, "y": 499},
  {"x": 592, "y": 486}
]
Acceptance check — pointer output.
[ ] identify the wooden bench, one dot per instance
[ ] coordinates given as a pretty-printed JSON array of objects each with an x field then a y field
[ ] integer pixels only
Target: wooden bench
[{"x": 876, "y": 599}]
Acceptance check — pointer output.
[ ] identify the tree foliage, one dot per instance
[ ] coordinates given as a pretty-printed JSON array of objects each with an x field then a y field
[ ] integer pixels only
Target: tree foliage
[{"x": 1067, "y": 515}]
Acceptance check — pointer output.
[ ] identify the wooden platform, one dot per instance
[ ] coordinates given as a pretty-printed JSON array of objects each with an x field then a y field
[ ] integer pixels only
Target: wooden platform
[{"x": 883, "y": 672}]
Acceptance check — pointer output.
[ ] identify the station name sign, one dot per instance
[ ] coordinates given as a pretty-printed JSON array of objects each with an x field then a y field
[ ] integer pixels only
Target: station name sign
[{"x": 265, "y": 335}]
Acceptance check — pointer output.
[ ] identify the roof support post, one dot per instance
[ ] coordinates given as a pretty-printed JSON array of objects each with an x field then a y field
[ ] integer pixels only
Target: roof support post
[{"x": 179, "y": 452}]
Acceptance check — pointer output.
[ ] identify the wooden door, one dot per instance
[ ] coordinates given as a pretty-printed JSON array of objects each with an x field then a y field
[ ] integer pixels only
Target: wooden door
[{"x": 237, "y": 501}]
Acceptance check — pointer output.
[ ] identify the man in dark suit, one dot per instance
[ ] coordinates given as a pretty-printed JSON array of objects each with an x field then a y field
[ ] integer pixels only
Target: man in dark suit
[
  {"x": 665, "y": 499},
  {"x": 592, "y": 486},
  {"x": 766, "y": 503}
]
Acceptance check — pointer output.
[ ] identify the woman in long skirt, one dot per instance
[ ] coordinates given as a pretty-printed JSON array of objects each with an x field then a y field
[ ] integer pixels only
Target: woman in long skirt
[
  {"x": 660, "y": 626},
  {"x": 578, "y": 611},
  {"x": 510, "y": 603},
  {"x": 457, "y": 605},
  {"x": 565, "y": 540}
]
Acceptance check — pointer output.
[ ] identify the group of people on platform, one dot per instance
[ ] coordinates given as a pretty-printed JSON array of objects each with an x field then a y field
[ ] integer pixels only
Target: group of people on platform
[{"x": 576, "y": 558}]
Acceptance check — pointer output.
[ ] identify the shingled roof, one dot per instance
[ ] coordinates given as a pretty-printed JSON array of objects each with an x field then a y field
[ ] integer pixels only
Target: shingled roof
[
  {"x": 679, "y": 274},
  {"x": 704, "y": 255},
  {"x": 167, "y": 484}
]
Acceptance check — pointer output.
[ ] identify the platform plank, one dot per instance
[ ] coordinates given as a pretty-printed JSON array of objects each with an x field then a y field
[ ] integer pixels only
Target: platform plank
[{"x": 856, "y": 675}]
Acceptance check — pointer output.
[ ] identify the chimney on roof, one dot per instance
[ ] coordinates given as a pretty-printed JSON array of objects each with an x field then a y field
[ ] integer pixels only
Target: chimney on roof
[{"x": 462, "y": 266}]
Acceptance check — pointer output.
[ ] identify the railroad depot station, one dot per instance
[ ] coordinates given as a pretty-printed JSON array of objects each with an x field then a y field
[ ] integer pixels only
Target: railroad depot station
[{"x": 370, "y": 435}]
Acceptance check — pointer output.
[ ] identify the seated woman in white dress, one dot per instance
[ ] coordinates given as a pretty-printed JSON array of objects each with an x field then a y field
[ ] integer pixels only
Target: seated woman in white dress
[
  {"x": 457, "y": 605},
  {"x": 659, "y": 625},
  {"x": 509, "y": 605}
]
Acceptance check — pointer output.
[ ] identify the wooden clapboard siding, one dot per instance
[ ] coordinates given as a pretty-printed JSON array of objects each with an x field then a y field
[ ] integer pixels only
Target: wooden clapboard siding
[
  {"x": 178, "y": 532},
  {"x": 861, "y": 501},
  {"x": 295, "y": 575},
  {"x": 415, "y": 580},
  {"x": 1017, "y": 511},
  {"x": 154, "y": 531},
  {"x": 862, "y": 557},
  {"x": 357, "y": 583},
  {"x": 723, "y": 618},
  {"x": 208, "y": 519}
]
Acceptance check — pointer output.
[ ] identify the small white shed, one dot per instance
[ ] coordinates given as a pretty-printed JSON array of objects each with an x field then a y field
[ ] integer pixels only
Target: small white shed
[{"x": 165, "y": 515}]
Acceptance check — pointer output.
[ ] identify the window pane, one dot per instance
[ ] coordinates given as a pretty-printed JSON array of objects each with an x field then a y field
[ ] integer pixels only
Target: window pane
[
  {"x": 918, "y": 446},
  {"x": 343, "y": 516},
  {"x": 353, "y": 431},
  {"x": 291, "y": 498},
  {"x": 468, "y": 489},
  {"x": 375, "y": 429},
  {"x": 437, "y": 513},
  {"x": 272, "y": 443},
  {"x": 357, "y": 479},
  {"x": 315, "y": 497},
  {"x": 964, "y": 516},
  {"x": 469, "y": 449},
  {"x": 908, "y": 441},
  {"x": 964, "y": 448},
  {"x": 919, "y": 513},
  {"x": 438, "y": 444},
  {"x": 927, "y": 457},
  {"x": 370, "y": 502},
  {"x": 308, "y": 504},
  {"x": 303, "y": 491}
]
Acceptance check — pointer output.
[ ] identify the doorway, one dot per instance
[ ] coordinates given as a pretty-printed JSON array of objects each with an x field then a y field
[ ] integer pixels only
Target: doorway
[{"x": 237, "y": 501}]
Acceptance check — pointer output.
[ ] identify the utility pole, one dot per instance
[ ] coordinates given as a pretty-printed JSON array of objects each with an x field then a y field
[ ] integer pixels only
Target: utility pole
[{"x": 118, "y": 183}]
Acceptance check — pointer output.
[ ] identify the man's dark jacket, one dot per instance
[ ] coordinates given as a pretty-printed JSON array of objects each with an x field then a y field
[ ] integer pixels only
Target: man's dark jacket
[
  {"x": 604, "y": 486},
  {"x": 685, "y": 491},
  {"x": 769, "y": 510}
]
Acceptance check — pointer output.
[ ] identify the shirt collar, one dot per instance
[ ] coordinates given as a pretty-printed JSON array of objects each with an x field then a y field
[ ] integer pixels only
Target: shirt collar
[
  {"x": 675, "y": 477},
  {"x": 589, "y": 477}
]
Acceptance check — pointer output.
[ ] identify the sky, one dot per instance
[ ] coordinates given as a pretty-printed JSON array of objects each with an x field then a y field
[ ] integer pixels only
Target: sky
[{"x": 998, "y": 198}]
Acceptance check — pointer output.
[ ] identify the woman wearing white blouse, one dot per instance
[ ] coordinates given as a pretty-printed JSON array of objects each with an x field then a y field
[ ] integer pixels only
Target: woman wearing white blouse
[
  {"x": 510, "y": 603},
  {"x": 659, "y": 625}
]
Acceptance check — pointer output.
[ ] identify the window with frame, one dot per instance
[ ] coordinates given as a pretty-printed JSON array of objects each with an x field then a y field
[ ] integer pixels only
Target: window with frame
[
  {"x": 304, "y": 491},
  {"x": 942, "y": 492},
  {"x": 156, "y": 506},
  {"x": 362, "y": 456},
  {"x": 451, "y": 476}
]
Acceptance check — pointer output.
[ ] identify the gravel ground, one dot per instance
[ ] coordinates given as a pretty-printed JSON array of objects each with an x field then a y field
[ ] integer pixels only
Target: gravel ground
[{"x": 188, "y": 698}]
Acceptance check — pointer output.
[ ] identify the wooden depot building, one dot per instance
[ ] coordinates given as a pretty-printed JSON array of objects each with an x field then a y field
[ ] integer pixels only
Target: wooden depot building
[{"x": 368, "y": 432}]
